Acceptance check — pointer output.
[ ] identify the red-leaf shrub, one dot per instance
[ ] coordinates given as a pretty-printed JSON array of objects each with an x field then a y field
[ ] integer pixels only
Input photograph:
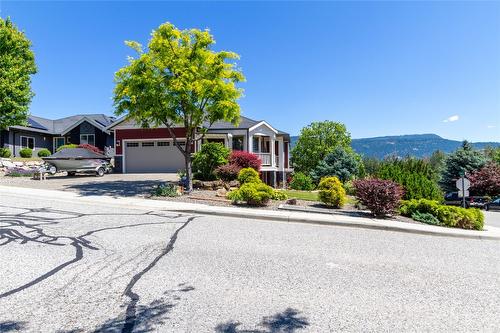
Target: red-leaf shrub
[
  {"x": 91, "y": 148},
  {"x": 381, "y": 197},
  {"x": 486, "y": 181},
  {"x": 245, "y": 159},
  {"x": 227, "y": 172}
]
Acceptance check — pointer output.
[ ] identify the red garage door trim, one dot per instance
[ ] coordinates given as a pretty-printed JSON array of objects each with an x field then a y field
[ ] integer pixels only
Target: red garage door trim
[{"x": 144, "y": 134}]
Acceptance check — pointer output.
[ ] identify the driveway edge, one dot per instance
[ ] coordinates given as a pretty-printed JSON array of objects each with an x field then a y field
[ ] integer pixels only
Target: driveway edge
[{"x": 490, "y": 233}]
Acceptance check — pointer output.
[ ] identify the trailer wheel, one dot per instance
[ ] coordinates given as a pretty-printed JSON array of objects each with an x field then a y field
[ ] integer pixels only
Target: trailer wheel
[
  {"x": 100, "y": 172},
  {"x": 52, "y": 170}
]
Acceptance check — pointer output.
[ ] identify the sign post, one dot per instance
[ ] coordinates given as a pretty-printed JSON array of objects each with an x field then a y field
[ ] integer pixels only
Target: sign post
[{"x": 463, "y": 185}]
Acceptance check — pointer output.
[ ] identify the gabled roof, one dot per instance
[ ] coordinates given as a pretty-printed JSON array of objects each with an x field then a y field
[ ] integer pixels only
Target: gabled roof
[
  {"x": 64, "y": 125},
  {"x": 245, "y": 123}
]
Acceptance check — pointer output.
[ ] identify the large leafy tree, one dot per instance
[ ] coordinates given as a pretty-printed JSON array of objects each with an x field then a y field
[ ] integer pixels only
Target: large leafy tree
[
  {"x": 316, "y": 141},
  {"x": 17, "y": 64},
  {"x": 179, "y": 81},
  {"x": 462, "y": 161}
]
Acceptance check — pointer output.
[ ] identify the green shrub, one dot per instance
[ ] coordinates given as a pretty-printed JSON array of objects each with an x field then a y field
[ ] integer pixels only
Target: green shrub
[
  {"x": 253, "y": 193},
  {"x": 66, "y": 146},
  {"x": 26, "y": 152},
  {"x": 416, "y": 177},
  {"x": 331, "y": 192},
  {"x": 301, "y": 182},
  {"x": 279, "y": 195},
  {"x": 5, "y": 152},
  {"x": 165, "y": 190},
  {"x": 425, "y": 218},
  {"x": 349, "y": 188},
  {"x": 210, "y": 156},
  {"x": 43, "y": 152},
  {"x": 248, "y": 175},
  {"x": 450, "y": 216}
]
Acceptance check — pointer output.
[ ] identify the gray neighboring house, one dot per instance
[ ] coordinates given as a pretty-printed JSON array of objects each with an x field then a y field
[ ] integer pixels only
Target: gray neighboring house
[{"x": 50, "y": 134}]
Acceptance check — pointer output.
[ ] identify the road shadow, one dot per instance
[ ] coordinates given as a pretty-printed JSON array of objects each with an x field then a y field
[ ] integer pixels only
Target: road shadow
[
  {"x": 288, "y": 321},
  {"x": 10, "y": 326},
  {"x": 117, "y": 188},
  {"x": 147, "y": 318}
]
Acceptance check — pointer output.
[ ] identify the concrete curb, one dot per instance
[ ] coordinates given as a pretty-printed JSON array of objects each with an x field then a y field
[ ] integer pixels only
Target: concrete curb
[{"x": 490, "y": 233}]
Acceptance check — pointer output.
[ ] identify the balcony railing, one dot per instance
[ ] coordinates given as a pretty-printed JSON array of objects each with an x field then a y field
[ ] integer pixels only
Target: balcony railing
[{"x": 265, "y": 158}]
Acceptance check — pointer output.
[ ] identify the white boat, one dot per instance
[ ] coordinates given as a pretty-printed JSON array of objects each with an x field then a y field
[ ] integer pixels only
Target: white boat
[{"x": 73, "y": 160}]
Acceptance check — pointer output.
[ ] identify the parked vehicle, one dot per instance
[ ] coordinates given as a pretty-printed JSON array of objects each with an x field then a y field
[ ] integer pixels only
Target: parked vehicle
[
  {"x": 493, "y": 205},
  {"x": 453, "y": 199},
  {"x": 73, "y": 160}
]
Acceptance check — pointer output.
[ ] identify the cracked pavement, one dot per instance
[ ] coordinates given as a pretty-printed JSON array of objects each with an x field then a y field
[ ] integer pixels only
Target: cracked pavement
[{"x": 80, "y": 267}]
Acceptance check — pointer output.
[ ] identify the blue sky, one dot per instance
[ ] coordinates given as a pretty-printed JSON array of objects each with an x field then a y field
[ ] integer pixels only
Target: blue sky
[{"x": 382, "y": 68}]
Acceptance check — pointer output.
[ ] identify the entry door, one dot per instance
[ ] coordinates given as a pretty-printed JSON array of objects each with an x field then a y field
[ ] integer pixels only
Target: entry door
[{"x": 58, "y": 142}]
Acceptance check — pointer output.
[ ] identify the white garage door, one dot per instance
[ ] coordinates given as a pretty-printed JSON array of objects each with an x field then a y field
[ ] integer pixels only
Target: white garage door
[{"x": 152, "y": 156}]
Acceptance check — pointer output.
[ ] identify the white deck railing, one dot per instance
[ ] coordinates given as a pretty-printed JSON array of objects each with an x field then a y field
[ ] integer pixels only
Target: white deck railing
[{"x": 265, "y": 158}]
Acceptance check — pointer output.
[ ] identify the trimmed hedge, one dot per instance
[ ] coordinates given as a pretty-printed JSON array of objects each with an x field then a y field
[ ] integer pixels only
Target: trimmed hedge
[
  {"x": 43, "y": 152},
  {"x": 26, "y": 153},
  {"x": 253, "y": 191},
  {"x": 248, "y": 175},
  {"x": 70, "y": 145},
  {"x": 5, "y": 152},
  {"x": 331, "y": 192},
  {"x": 450, "y": 216}
]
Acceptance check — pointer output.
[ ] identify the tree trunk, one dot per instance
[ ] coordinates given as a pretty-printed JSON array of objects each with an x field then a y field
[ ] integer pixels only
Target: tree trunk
[{"x": 189, "y": 173}]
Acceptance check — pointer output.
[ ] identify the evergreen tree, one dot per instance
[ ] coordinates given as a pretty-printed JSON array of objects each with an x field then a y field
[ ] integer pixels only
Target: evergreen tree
[
  {"x": 339, "y": 163},
  {"x": 462, "y": 161}
]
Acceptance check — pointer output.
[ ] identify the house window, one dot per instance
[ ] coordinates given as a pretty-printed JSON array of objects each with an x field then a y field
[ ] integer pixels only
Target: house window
[
  {"x": 237, "y": 142},
  {"x": 163, "y": 143},
  {"x": 132, "y": 144},
  {"x": 148, "y": 144},
  {"x": 255, "y": 144},
  {"x": 87, "y": 139},
  {"x": 27, "y": 142}
]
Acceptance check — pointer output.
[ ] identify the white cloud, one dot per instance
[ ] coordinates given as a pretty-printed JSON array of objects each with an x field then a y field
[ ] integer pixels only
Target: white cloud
[
  {"x": 491, "y": 126},
  {"x": 451, "y": 119}
]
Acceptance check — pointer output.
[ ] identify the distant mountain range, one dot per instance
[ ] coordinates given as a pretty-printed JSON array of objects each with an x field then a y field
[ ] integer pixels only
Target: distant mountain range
[{"x": 418, "y": 145}]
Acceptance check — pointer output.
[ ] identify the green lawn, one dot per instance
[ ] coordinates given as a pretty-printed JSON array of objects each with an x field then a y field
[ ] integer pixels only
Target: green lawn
[
  {"x": 302, "y": 195},
  {"x": 313, "y": 196}
]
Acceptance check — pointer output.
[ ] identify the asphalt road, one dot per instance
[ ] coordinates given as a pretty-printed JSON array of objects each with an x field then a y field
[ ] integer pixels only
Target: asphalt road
[
  {"x": 492, "y": 218},
  {"x": 72, "y": 267}
]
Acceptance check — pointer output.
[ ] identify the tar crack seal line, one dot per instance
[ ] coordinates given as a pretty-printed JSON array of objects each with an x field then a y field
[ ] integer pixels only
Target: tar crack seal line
[{"x": 130, "y": 319}]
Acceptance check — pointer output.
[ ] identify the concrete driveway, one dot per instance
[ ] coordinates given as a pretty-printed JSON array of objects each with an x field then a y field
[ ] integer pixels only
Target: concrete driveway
[{"x": 115, "y": 184}]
